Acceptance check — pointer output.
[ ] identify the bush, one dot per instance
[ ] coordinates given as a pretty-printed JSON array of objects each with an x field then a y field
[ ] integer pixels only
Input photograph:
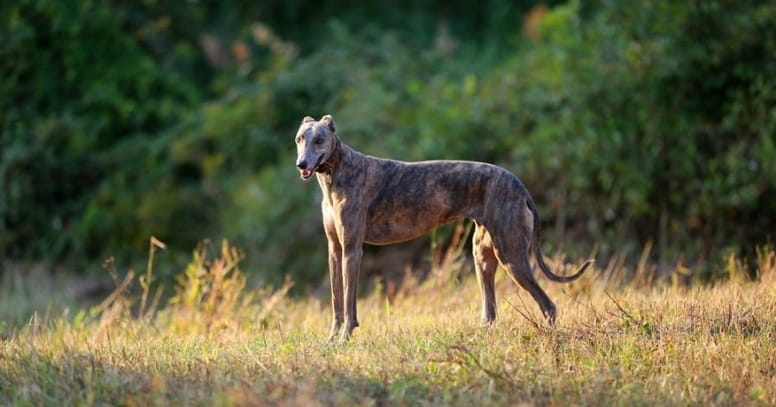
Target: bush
[
  {"x": 628, "y": 123},
  {"x": 81, "y": 104}
]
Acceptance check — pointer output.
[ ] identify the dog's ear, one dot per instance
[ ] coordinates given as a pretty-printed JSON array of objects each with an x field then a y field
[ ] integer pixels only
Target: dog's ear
[
  {"x": 307, "y": 119},
  {"x": 329, "y": 122}
]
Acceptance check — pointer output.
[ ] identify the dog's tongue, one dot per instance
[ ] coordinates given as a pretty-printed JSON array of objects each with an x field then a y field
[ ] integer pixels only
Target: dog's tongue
[{"x": 306, "y": 173}]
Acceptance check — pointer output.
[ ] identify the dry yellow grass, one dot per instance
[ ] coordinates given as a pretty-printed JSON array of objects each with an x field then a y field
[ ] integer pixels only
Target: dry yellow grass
[{"x": 667, "y": 345}]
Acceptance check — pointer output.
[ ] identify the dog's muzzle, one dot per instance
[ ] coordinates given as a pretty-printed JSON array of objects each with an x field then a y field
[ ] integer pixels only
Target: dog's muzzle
[{"x": 307, "y": 171}]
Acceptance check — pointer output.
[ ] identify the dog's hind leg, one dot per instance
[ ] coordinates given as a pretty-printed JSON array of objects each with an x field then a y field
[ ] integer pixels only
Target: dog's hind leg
[
  {"x": 485, "y": 265},
  {"x": 520, "y": 271},
  {"x": 512, "y": 243}
]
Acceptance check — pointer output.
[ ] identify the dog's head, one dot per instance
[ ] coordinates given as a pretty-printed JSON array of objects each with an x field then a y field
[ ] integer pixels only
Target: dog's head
[{"x": 315, "y": 143}]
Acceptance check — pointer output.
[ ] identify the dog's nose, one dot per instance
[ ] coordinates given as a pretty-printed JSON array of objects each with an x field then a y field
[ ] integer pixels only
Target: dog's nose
[{"x": 302, "y": 165}]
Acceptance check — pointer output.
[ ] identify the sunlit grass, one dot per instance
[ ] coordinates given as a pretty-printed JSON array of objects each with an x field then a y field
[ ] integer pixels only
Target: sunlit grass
[{"x": 218, "y": 343}]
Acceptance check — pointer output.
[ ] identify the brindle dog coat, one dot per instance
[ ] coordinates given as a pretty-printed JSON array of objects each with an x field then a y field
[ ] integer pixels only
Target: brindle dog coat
[{"x": 379, "y": 201}]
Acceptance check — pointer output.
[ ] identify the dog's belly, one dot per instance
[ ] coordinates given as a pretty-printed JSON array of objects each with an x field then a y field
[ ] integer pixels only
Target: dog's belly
[
  {"x": 408, "y": 215},
  {"x": 384, "y": 233}
]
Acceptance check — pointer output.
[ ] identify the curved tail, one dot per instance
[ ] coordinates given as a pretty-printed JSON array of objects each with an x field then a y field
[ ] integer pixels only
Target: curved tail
[{"x": 535, "y": 242}]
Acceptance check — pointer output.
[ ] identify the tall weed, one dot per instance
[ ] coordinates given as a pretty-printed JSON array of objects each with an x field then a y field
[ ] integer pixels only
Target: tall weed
[{"x": 210, "y": 296}]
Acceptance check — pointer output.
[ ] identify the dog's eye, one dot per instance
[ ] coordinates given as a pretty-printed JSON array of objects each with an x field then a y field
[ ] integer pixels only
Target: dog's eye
[
  {"x": 319, "y": 141},
  {"x": 298, "y": 139}
]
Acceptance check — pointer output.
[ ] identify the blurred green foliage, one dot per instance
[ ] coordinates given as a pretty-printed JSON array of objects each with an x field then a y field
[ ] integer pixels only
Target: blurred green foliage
[{"x": 647, "y": 121}]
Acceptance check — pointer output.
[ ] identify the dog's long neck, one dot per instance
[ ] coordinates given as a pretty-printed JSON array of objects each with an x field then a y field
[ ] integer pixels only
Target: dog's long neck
[
  {"x": 343, "y": 162},
  {"x": 332, "y": 163}
]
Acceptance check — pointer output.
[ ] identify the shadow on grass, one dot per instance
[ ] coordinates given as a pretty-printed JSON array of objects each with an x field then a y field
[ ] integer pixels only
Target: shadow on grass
[{"x": 86, "y": 379}]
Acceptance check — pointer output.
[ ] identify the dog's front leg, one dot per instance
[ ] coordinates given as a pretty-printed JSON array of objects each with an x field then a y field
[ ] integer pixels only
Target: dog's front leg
[
  {"x": 351, "y": 262},
  {"x": 351, "y": 233},
  {"x": 337, "y": 298},
  {"x": 335, "y": 273}
]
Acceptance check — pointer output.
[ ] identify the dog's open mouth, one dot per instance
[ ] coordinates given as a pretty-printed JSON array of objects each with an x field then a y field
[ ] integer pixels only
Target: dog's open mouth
[{"x": 308, "y": 172}]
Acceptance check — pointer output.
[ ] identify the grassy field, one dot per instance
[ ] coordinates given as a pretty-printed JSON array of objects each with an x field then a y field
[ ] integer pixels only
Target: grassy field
[{"x": 218, "y": 343}]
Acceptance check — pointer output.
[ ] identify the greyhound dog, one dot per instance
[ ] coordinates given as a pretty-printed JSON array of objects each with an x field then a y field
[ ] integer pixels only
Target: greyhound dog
[{"x": 379, "y": 201}]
